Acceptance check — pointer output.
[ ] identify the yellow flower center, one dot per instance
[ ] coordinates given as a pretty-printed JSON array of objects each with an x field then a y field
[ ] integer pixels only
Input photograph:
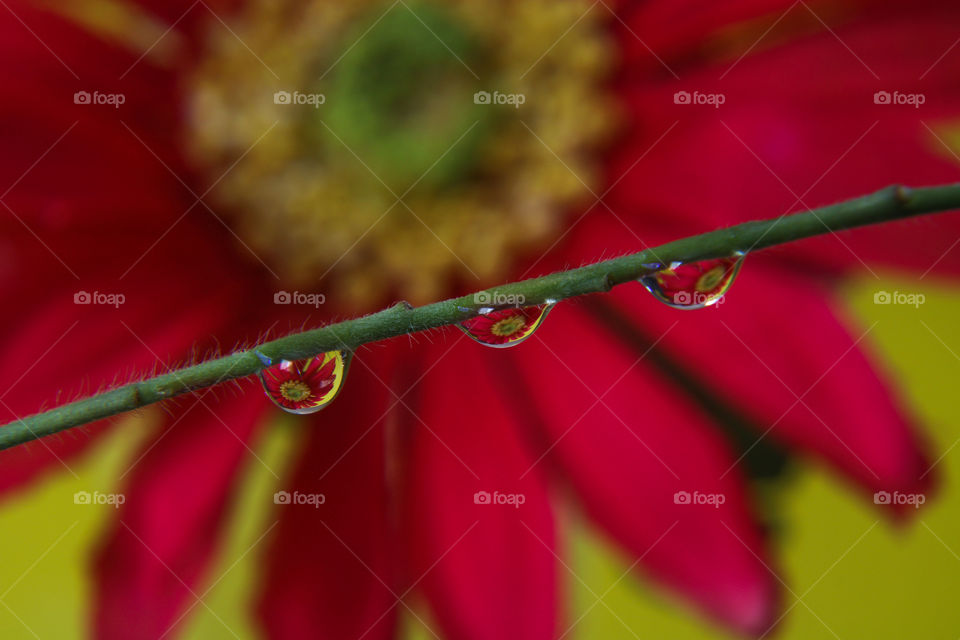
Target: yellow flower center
[
  {"x": 711, "y": 279},
  {"x": 371, "y": 148},
  {"x": 508, "y": 326},
  {"x": 295, "y": 390}
]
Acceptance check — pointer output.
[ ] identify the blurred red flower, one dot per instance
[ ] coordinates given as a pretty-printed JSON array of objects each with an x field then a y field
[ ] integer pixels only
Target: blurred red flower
[{"x": 619, "y": 399}]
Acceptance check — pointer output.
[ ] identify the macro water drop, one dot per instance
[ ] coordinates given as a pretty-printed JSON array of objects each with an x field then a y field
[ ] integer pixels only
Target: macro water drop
[
  {"x": 501, "y": 328},
  {"x": 305, "y": 386},
  {"x": 693, "y": 285}
]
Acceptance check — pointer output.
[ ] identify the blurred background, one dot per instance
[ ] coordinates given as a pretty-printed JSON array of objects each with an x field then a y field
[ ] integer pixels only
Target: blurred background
[
  {"x": 860, "y": 575},
  {"x": 202, "y": 160}
]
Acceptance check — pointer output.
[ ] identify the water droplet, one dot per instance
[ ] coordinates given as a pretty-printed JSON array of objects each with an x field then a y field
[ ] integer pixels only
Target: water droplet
[
  {"x": 693, "y": 285},
  {"x": 501, "y": 328},
  {"x": 306, "y": 386}
]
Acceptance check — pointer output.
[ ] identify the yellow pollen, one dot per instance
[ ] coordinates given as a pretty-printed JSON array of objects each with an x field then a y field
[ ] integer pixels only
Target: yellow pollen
[
  {"x": 508, "y": 326},
  {"x": 295, "y": 390},
  {"x": 711, "y": 279},
  {"x": 309, "y": 199}
]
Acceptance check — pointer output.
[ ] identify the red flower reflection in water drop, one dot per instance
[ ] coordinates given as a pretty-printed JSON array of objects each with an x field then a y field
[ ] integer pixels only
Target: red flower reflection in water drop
[
  {"x": 505, "y": 327},
  {"x": 694, "y": 284},
  {"x": 304, "y": 386}
]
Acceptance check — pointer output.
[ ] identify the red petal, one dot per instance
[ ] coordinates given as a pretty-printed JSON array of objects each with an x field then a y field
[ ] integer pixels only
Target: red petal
[
  {"x": 777, "y": 338},
  {"x": 329, "y": 568},
  {"x": 627, "y": 456},
  {"x": 488, "y": 570},
  {"x": 671, "y": 28},
  {"x": 86, "y": 202},
  {"x": 786, "y": 132},
  {"x": 55, "y": 350},
  {"x": 320, "y": 375},
  {"x": 78, "y": 167},
  {"x": 275, "y": 376},
  {"x": 151, "y": 568}
]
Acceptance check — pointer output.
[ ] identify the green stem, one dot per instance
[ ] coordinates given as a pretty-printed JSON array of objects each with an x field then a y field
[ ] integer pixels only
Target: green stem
[{"x": 888, "y": 204}]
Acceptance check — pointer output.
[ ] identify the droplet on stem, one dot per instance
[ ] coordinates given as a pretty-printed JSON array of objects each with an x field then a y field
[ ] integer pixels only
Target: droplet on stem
[
  {"x": 306, "y": 386},
  {"x": 501, "y": 328},
  {"x": 694, "y": 285}
]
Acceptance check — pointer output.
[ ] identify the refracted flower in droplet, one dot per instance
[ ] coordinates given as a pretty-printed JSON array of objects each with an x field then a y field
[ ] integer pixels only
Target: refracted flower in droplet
[
  {"x": 693, "y": 285},
  {"x": 306, "y": 386},
  {"x": 500, "y": 328}
]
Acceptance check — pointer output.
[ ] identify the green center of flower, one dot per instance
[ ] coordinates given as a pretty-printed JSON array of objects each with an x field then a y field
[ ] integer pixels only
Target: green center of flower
[
  {"x": 404, "y": 95},
  {"x": 485, "y": 118},
  {"x": 711, "y": 279},
  {"x": 295, "y": 390},
  {"x": 508, "y": 326}
]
